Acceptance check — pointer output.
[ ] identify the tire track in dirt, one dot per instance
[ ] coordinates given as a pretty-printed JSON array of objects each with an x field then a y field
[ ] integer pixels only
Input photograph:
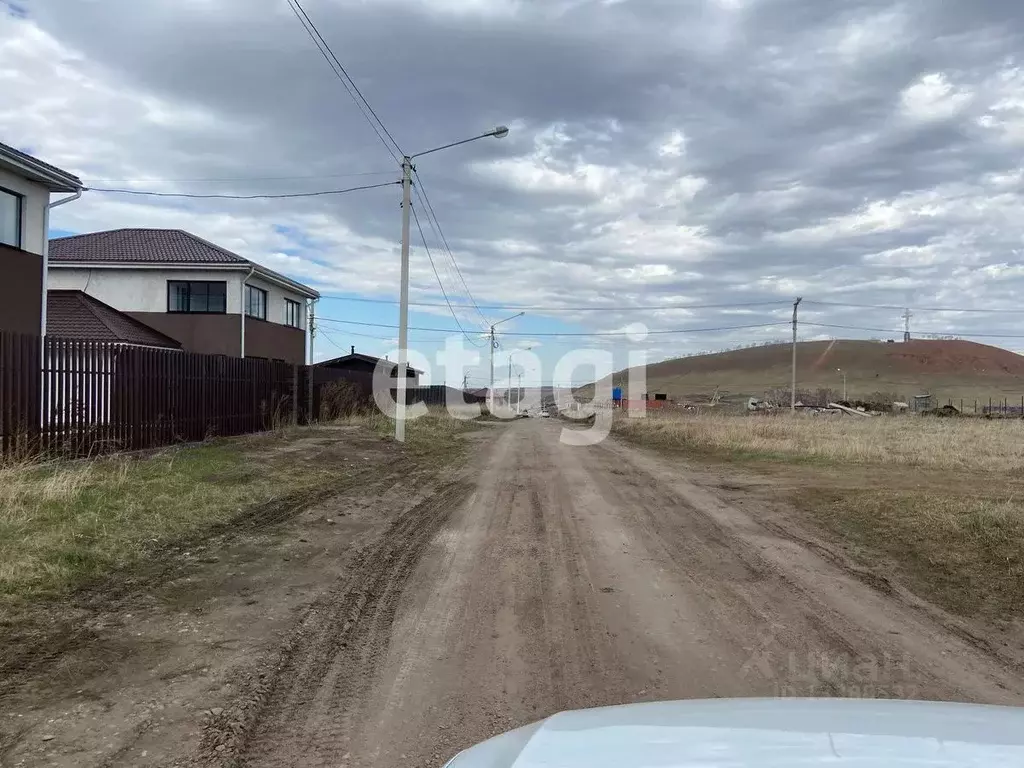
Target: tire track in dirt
[
  {"x": 573, "y": 577},
  {"x": 299, "y": 709}
]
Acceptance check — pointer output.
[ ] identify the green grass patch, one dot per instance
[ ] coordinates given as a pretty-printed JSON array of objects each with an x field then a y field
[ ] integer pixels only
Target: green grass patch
[{"x": 67, "y": 524}]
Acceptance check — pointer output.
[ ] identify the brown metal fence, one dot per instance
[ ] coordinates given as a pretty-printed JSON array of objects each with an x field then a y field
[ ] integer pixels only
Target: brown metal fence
[{"x": 80, "y": 398}]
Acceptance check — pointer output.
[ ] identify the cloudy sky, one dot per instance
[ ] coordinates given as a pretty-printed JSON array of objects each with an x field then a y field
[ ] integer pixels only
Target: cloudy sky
[{"x": 662, "y": 153}]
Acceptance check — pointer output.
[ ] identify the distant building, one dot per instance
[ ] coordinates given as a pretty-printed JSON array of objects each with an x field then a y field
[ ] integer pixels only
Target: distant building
[{"x": 363, "y": 365}]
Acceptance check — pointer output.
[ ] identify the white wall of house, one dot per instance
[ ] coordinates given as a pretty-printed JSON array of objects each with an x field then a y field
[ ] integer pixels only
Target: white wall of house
[
  {"x": 145, "y": 290},
  {"x": 33, "y": 209},
  {"x": 276, "y": 296},
  {"x": 139, "y": 290}
]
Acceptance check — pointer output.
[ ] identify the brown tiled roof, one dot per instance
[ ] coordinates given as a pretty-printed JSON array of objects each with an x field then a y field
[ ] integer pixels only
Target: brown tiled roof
[
  {"x": 76, "y": 315},
  {"x": 140, "y": 246}
]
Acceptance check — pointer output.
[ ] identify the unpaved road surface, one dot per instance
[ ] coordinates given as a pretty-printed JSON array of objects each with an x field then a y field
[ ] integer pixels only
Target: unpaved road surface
[{"x": 547, "y": 577}]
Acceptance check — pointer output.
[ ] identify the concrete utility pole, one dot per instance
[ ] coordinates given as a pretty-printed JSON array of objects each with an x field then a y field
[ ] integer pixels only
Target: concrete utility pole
[
  {"x": 311, "y": 321},
  {"x": 403, "y": 313},
  {"x": 508, "y": 386},
  {"x": 508, "y": 390},
  {"x": 792, "y": 391},
  {"x": 840, "y": 370},
  {"x": 492, "y": 339},
  {"x": 907, "y": 314},
  {"x": 403, "y": 310}
]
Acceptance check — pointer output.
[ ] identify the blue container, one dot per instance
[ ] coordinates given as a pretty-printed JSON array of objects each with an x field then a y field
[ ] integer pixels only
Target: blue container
[{"x": 617, "y": 393}]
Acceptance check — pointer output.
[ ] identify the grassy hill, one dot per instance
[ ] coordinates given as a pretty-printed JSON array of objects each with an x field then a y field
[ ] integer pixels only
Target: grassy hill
[{"x": 946, "y": 369}]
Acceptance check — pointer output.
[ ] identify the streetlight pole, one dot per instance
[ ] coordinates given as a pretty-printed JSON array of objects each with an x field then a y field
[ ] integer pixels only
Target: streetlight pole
[
  {"x": 403, "y": 311},
  {"x": 494, "y": 345}
]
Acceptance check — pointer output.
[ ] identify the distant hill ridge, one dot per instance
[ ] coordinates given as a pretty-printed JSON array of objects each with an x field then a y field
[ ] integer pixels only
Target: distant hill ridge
[{"x": 947, "y": 368}]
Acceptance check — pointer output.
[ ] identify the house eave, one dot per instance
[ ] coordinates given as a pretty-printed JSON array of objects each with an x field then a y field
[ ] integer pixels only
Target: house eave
[{"x": 32, "y": 171}]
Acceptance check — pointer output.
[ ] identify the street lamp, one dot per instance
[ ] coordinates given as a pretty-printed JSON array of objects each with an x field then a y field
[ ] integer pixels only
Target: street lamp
[
  {"x": 519, "y": 394},
  {"x": 840, "y": 370},
  {"x": 403, "y": 312}
]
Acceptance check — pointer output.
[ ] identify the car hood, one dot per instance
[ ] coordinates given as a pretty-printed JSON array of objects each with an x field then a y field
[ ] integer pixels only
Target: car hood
[{"x": 763, "y": 733}]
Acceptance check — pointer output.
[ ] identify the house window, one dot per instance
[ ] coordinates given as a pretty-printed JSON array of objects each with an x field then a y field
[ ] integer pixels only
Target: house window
[
  {"x": 255, "y": 302},
  {"x": 292, "y": 313},
  {"x": 196, "y": 296},
  {"x": 10, "y": 218}
]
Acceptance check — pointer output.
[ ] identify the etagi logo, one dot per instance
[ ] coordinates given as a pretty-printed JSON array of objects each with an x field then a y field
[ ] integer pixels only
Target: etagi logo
[{"x": 590, "y": 415}]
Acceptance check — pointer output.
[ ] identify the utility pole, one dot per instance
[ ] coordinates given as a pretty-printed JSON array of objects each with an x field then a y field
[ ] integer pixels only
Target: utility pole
[
  {"x": 519, "y": 391},
  {"x": 508, "y": 387},
  {"x": 840, "y": 370},
  {"x": 907, "y": 314},
  {"x": 403, "y": 315},
  {"x": 492, "y": 339},
  {"x": 403, "y": 311},
  {"x": 312, "y": 361},
  {"x": 490, "y": 390},
  {"x": 792, "y": 391}
]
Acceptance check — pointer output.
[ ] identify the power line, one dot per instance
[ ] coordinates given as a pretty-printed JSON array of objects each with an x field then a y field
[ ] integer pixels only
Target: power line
[
  {"x": 919, "y": 332},
  {"x": 590, "y": 333},
  {"x": 330, "y": 340},
  {"x": 616, "y": 308},
  {"x": 318, "y": 193},
  {"x": 440, "y": 285},
  {"x": 245, "y": 178},
  {"x": 342, "y": 74},
  {"x": 902, "y": 307},
  {"x": 444, "y": 263},
  {"x": 426, "y": 199}
]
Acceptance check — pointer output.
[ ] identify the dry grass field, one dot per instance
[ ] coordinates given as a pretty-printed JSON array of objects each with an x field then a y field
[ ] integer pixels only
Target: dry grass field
[
  {"x": 936, "y": 502},
  {"x": 973, "y": 444}
]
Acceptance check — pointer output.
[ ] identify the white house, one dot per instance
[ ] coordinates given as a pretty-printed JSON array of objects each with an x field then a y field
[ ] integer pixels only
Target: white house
[{"x": 205, "y": 297}]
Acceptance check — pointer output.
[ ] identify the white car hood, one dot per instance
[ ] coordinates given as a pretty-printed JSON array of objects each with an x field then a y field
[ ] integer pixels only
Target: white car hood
[{"x": 763, "y": 733}]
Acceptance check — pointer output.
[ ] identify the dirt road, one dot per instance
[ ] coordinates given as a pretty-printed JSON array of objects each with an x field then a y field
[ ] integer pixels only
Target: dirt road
[{"x": 549, "y": 577}]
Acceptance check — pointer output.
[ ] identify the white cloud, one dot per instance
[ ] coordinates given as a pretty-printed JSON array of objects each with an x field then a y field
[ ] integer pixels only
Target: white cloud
[
  {"x": 673, "y": 145},
  {"x": 1005, "y": 115},
  {"x": 868, "y": 36},
  {"x": 933, "y": 97}
]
